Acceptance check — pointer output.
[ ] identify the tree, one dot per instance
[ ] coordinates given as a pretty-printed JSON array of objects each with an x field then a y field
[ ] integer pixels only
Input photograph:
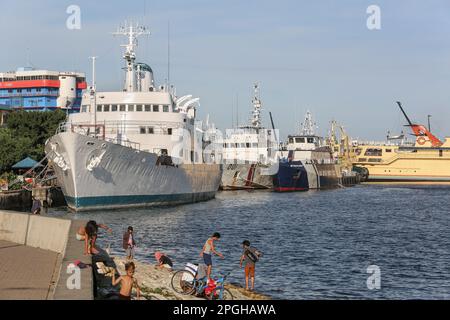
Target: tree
[
  {"x": 26, "y": 134},
  {"x": 13, "y": 149}
]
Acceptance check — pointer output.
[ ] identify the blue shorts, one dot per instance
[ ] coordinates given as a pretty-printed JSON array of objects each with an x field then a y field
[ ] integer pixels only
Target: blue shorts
[{"x": 207, "y": 258}]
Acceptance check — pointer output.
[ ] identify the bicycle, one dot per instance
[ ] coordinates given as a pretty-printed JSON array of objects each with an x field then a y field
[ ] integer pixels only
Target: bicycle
[
  {"x": 186, "y": 283},
  {"x": 220, "y": 292}
]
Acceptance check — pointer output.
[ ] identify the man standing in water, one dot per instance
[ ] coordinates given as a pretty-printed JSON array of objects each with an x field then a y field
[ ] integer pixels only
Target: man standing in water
[{"x": 208, "y": 250}]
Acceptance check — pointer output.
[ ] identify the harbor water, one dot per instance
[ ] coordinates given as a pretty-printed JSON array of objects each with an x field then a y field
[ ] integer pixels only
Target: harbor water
[{"x": 316, "y": 244}]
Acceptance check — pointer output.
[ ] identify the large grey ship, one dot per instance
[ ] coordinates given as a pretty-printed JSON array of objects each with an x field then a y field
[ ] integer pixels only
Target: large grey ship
[{"x": 136, "y": 147}]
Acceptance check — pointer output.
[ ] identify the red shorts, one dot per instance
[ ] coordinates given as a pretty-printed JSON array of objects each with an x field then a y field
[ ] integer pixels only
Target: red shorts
[{"x": 250, "y": 270}]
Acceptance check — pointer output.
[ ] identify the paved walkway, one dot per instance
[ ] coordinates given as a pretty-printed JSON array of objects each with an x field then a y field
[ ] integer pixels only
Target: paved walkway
[{"x": 25, "y": 272}]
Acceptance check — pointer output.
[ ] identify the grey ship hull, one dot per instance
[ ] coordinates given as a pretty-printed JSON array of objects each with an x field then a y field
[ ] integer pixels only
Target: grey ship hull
[{"x": 124, "y": 177}]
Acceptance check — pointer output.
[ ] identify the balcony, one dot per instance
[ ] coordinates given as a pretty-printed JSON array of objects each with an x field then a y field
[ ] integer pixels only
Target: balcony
[{"x": 28, "y": 94}]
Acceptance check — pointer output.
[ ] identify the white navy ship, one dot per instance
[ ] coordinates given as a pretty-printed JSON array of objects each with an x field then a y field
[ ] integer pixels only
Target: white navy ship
[
  {"x": 136, "y": 147},
  {"x": 248, "y": 152}
]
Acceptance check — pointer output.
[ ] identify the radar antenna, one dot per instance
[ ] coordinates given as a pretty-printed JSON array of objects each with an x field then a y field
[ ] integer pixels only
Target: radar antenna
[
  {"x": 132, "y": 32},
  {"x": 257, "y": 107},
  {"x": 308, "y": 125}
]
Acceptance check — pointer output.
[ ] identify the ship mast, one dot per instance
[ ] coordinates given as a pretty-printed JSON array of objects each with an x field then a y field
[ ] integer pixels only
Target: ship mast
[
  {"x": 307, "y": 128},
  {"x": 257, "y": 106},
  {"x": 132, "y": 32}
]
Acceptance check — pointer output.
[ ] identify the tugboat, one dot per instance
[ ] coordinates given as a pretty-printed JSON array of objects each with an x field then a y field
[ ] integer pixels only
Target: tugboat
[
  {"x": 139, "y": 146},
  {"x": 309, "y": 164}
]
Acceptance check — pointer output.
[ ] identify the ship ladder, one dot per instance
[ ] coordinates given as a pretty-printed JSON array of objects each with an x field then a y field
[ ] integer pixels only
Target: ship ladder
[{"x": 37, "y": 177}]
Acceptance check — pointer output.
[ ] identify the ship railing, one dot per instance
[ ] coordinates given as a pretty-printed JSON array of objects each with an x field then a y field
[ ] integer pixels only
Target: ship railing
[
  {"x": 382, "y": 143},
  {"x": 97, "y": 131},
  {"x": 125, "y": 143},
  {"x": 92, "y": 130}
]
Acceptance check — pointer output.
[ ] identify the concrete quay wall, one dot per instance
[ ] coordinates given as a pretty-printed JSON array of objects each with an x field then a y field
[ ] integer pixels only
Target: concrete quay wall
[{"x": 56, "y": 235}]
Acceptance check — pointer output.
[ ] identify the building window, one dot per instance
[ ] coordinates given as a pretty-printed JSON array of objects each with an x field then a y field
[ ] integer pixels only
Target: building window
[
  {"x": 151, "y": 130},
  {"x": 106, "y": 108},
  {"x": 169, "y": 131},
  {"x": 123, "y": 108},
  {"x": 114, "y": 107},
  {"x": 148, "y": 108},
  {"x": 99, "y": 108},
  {"x": 142, "y": 130},
  {"x": 83, "y": 108},
  {"x": 38, "y": 90},
  {"x": 165, "y": 108},
  {"x": 139, "y": 107},
  {"x": 440, "y": 153},
  {"x": 155, "y": 108},
  {"x": 131, "y": 107}
]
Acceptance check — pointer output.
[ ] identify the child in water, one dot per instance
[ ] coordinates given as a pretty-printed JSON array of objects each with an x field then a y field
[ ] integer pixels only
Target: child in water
[{"x": 127, "y": 282}]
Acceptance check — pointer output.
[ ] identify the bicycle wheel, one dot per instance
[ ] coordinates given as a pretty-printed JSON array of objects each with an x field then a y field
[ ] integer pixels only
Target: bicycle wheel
[
  {"x": 215, "y": 294},
  {"x": 183, "y": 282}
]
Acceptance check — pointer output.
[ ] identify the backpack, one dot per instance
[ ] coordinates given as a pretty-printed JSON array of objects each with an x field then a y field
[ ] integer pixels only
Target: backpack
[{"x": 253, "y": 254}]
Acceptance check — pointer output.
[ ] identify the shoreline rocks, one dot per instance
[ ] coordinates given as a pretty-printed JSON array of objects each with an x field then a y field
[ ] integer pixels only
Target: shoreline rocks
[{"x": 155, "y": 283}]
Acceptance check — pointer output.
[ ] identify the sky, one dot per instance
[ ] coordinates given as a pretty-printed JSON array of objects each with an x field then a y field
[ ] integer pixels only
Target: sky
[{"x": 306, "y": 55}]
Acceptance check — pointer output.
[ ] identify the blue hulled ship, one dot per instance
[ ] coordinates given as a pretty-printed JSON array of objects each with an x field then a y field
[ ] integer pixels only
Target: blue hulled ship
[{"x": 309, "y": 163}]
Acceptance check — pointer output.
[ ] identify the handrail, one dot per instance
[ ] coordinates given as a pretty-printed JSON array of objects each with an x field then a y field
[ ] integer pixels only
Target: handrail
[{"x": 64, "y": 127}]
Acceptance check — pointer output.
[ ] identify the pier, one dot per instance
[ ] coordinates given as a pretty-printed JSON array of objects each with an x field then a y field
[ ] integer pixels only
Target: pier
[
  {"x": 21, "y": 200},
  {"x": 35, "y": 252}
]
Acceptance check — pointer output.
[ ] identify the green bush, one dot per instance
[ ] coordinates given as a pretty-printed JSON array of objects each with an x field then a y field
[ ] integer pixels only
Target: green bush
[{"x": 11, "y": 177}]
